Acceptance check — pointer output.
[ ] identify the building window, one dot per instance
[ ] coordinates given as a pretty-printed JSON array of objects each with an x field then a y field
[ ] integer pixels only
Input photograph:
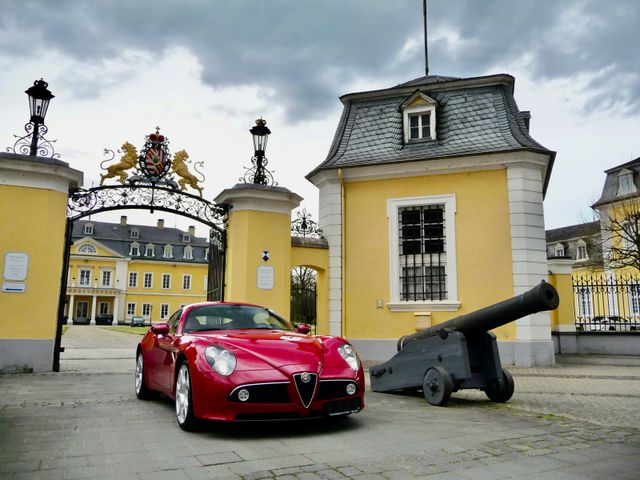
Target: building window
[
  {"x": 148, "y": 280},
  {"x": 166, "y": 280},
  {"x": 581, "y": 250},
  {"x": 164, "y": 311},
  {"x": 186, "y": 238},
  {"x": 188, "y": 253},
  {"x": 206, "y": 283},
  {"x": 85, "y": 278},
  {"x": 419, "y": 118},
  {"x": 186, "y": 282},
  {"x": 88, "y": 229},
  {"x": 625, "y": 183},
  {"x": 135, "y": 233},
  {"x": 106, "y": 278},
  {"x": 558, "y": 250},
  {"x": 133, "y": 279},
  {"x": 419, "y": 126},
  {"x": 134, "y": 249},
  {"x": 103, "y": 308},
  {"x": 423, "y": 264},
  {"x": 146, "y": 310},
  {"x": 131, "y": 309},
  {"x": 149, "y": 251},
  {"x": 86, "y": 248},
  {"x": 167, "y": 252}
]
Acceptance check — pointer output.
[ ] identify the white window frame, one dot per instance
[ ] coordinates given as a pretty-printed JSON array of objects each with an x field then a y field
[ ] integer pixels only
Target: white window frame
[
  {"x": 164, "y": 311},
  {"x": 186, "y": 238},
  {"x": 149, "y": 247},
  {"x": 80, "y": 282},
  {"x": 186, "y": 278},
  {"x": 625, "y": 183},
  {"x": 134, "y": 233},
  {"x": 452, "y": 303},
  {"x": 149, "y": 307},
  {"x": 134, "y": 249},
  {"x": 167, "y": 251},
  {"x": 88, "y": 229},
  {"x": 558, "y": 250},
  {"x": 86, "y": 248},
  {"x": 408, "y": 110},
  {"x": 103, "y": 308},
  {"x": 206, "y": 283},
  {"x": 131, "y": 309},
  {"x": 144, "y": 280},
  {"x": 188, "y": 253},
  {"x": 134, "y": 276},
  {"x": 581, "y": 246},
  {"x": 103, "y": 272},
  {"x": 166, "y": 276}
]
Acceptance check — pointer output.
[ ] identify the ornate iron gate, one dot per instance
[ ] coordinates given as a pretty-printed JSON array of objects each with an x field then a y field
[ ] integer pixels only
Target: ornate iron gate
[{"x": 151, "y": 186}]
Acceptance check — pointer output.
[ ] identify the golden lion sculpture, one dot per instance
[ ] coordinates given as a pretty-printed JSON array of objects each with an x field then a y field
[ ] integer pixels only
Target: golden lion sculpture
[
  {"x": 179, "y": 167},
  {"x": 128, "y": 160}
]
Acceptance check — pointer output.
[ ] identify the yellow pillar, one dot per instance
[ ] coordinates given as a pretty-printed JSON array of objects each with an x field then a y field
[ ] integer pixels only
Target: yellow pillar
[
  {"x": 562, "y": 318},
  {"x": 259, "y": 245},
  {"x": 33, "y": 206}
]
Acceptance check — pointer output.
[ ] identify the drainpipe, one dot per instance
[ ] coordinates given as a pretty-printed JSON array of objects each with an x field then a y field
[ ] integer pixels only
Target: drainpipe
[{"x": 343, "y": 257}]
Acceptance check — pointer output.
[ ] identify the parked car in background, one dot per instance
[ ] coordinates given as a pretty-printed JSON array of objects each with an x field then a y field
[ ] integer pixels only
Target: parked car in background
[
  {"x": 137, "y": 321},
  {"x": 104, "y": 319},
  {"x": 235, "y": 361}
]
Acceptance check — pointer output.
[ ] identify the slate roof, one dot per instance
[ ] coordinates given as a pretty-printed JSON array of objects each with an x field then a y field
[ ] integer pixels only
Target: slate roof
[
  {"x": 572, "y": 232},
  {"x": 474, "y": 116},
  {"x": 117, "y": 237},
  {"x": 610, "y": 188}
]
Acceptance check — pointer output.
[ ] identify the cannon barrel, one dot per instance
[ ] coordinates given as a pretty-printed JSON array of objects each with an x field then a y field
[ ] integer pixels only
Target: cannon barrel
[{"x": 540, "y": 298}]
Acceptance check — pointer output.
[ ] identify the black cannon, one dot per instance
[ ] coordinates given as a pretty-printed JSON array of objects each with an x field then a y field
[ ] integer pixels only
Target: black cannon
[{"x": 461, "y": 353}]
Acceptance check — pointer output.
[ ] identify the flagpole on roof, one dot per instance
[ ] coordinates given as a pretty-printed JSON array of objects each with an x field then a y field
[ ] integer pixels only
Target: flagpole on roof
[{"x": 426, "y": 50}]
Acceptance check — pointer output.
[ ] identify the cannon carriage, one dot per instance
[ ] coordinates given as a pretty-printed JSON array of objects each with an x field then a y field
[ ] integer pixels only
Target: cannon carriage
[{"x": 461, "y": 353}]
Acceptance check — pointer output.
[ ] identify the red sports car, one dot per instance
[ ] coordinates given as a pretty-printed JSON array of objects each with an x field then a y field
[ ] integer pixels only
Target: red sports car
[{"x": 235, "y": 361}]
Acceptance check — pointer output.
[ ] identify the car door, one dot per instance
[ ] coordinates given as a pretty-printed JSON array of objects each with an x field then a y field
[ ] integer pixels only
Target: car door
[{"x": 163, "y": 354}]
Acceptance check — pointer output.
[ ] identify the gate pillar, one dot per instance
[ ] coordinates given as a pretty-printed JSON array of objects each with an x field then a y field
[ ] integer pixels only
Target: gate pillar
[
  {"x": 258, "y": 258},
  {"x": 33, "y": 216}
]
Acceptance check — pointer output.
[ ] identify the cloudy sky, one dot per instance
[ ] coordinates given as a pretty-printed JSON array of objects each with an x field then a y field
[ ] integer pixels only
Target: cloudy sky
[{"x": 204, "y": 70}]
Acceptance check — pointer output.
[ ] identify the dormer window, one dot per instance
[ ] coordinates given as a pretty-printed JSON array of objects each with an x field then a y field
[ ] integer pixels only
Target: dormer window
[
  {"x": 186, "y": 238},
  {"x": 625, "y": 182},
  {"x": 134, "y": 249},
  {"x": 167, "y": 251},
  {"x": 149, "y": 250},
  {"x": 419, "y": 118},
  {"x": 135, "y": 233},
  {"x": 86, "y": 248},
  {"x": 188, "y": 253},
  {"x": 581, "y": 250},
  {"x": 88, "y": 229},
  {"x": 558, "y": 250}
]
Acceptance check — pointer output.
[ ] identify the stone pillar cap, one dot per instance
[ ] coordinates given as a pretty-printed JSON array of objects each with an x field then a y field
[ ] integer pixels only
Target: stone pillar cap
[{"x": 262, "y": 198}]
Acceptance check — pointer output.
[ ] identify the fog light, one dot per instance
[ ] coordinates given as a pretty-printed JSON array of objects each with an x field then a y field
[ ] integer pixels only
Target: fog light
[
  {"x": 243, "y": 395},
  {"x": 351, "y": 388}
]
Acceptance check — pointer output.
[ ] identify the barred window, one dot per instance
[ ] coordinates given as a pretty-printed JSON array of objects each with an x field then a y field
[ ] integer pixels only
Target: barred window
[{"x": 422, "y": 250}]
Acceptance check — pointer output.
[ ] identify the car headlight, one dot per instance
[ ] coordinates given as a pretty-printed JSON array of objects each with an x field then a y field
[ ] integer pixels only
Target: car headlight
[
  {"x": 221, "y": 360},
  {"x": 346, "y": 351}
]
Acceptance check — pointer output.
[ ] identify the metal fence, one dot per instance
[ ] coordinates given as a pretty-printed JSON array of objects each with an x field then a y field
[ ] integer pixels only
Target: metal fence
[{"x": 607, "y": 303}]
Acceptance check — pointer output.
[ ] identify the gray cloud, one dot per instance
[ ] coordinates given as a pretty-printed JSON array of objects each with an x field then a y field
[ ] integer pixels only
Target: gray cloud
[{"x": 307, "y": 52}]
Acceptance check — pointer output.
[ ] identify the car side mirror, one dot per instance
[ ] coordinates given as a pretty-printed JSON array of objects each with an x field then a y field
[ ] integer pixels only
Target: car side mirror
[
  {"x": 160, "y": 328},
  {"x": 303, "y": 328}
]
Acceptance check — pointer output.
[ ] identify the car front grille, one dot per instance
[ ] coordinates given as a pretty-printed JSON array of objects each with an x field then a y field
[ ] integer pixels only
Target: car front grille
[
  {"x": 330, "y": 389},
  {"x": 273, "y": 392}
]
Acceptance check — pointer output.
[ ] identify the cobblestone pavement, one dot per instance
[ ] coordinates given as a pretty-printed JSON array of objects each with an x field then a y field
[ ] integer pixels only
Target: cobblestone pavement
[{"x": 576, "y": 420}]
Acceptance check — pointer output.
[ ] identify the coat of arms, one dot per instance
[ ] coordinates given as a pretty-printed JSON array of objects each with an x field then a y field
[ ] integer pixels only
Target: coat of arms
[{"x": 154, "y": 159}]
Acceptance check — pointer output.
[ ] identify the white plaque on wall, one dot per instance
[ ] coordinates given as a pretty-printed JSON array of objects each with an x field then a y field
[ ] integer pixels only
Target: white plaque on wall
[
  {"x": 265, "y": 278},
  {"x": 16, "y": 266}
]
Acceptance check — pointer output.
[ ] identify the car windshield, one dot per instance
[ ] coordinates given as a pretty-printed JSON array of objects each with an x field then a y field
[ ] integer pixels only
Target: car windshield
[{"x": 232, "y": 317}]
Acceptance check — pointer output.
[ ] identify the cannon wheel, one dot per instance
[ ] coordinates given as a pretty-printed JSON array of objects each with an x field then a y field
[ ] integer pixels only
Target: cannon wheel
[
  {"x": 501, "y": 391},
  {"x": 437, "y": 386}
]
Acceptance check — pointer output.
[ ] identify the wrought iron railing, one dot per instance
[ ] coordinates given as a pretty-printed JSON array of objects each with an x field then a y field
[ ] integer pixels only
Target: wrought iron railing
[{"x": 605, "y": 303}]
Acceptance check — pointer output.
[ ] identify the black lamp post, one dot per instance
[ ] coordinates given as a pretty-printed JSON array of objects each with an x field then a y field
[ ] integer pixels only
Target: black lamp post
[
  {"x": 260, "y": 135},
  {"x": 39, "y": 98}
]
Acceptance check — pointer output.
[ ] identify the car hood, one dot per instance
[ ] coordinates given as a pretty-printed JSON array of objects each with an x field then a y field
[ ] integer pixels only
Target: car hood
[{"x": 273, "y": 347}]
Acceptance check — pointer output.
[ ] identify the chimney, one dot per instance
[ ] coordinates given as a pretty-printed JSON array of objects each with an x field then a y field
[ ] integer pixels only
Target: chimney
[
  {"x": 160, "y": 223},
  {"x": 123, "y": 220},
  {"x": 192, "y": 230},
  {"x": 526, "y": 116}
]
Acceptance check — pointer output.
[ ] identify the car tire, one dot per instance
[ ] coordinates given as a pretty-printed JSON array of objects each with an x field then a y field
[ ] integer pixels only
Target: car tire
[
  {"x": 142, "y": 392},
  {"x": 184, "y": 399}
]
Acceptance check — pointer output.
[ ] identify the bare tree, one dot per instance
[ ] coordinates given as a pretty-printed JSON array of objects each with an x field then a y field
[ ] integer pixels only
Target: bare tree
[
  {"x": 303, "y": 295},
  {"x": 620, "y": 226}
]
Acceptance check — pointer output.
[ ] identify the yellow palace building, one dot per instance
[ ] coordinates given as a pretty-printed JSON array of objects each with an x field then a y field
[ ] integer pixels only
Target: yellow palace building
[{"x": 118, "y": 271}]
